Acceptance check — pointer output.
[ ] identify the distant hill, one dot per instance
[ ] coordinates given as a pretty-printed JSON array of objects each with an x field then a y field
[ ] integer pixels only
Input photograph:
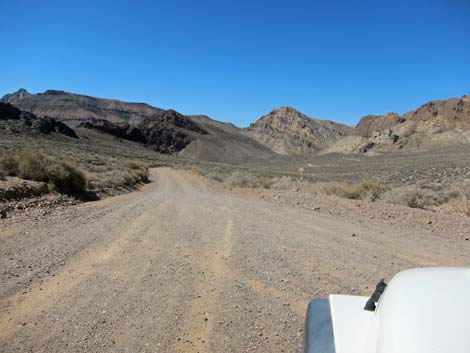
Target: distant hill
[
  {"x": 283, "y": 131},
  {"x": 434, "y": 123},
  {"x": 72, "y": 107},
  {"x": 165, "y": 131},
  {"x": 287, "y": 131}
]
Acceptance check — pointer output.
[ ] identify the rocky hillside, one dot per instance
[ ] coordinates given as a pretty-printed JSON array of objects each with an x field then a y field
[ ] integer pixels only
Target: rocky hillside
[
  {"x": 225, "y": 141},
  {"x": 284, "y": 131},
  {"x": 73, "y": 107},
  {"x": 288, "y": 131},
  {"x": 165, "y": 131},
  {"x": 434, "y": 123},
  {"x": 14, "y": 120}
]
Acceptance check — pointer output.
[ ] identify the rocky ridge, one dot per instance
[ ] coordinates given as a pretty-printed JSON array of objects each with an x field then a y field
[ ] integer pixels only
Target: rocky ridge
[{"x": 287, "y": 131}]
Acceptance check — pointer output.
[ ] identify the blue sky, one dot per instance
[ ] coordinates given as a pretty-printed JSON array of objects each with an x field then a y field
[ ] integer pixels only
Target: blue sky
[{"x": 236, "y": 60}]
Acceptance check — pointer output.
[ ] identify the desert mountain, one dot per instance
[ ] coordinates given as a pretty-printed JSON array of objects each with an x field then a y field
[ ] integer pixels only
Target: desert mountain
[
  {"x": 288, "y": 131},
  {"x": 436, "y": 122},
  {"x": 166, "y": 131},
  {"x": 73, "y": 107},
  {"x": 284, "y": 131}
]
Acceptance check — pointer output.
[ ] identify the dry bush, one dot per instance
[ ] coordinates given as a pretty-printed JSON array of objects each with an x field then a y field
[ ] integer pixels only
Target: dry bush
[
  {"x": 461, "y": 204},
  {"x": 366, "y": 190},
  {"x": 93, "y": 180},
  {"x": 65, "y": 176},
  {"x": 9, "y": 165},
  {"x": 421, "y": 195},
  {"x": 213, "y": 176},
  {"x": 122, "y": 178},
  {"x": 264, "y": 183},
  {"x": 130, "y": 174},
  {"x": 139, "y": 170},
  {"x": 330, "y": 188},
  {"x": 240, "y": 180},
  {"x": 284, "y": 183}
]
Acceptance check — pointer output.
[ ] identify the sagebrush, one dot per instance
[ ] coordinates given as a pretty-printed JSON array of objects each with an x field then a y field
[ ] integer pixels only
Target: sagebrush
[{"x": 66, "y": 177}]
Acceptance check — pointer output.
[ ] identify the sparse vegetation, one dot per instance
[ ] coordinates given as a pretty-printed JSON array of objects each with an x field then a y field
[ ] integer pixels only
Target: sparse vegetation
[
  {"x": 66, "y": 177},
  {"x": 110, "y": 165},
  {"x": 366, "y": 190},
  {"x": 425, "y": 195},
  {"x": 462, "y": 205},
  {"x": 264, "y": 183},
  {"x": 240, "y": 180},
  {"x": 330, "y": 188},
  {"x": 9, "y": 166},
  {"x": 122, "y": 175}
]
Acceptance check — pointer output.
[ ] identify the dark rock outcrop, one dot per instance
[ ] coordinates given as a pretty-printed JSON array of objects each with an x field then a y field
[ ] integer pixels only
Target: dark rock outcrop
[
  {"x": 119, "y": 130},
  {"x": 166, "y": 132},
  {"x": 9, "y": 112},
  {"x": 171, "y": 119},
  {"x": 15, "y": 120}
]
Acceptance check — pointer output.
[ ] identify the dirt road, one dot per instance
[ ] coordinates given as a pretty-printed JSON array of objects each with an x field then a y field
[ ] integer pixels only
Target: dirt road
[{"x": 181, "y": 267}]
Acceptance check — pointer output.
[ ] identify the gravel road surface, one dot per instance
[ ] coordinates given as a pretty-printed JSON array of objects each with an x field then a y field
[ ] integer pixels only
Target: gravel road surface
[{"x": 181, "y": 266}]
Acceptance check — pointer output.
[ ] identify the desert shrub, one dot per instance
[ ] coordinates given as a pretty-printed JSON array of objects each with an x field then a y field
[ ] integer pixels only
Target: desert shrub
[
  {"x": 65, "y": 176},
  {"x": 284, "y": 183},
  {"x": 122, "y": 178},
  {"x": 33, "y": 167},
  {"x": 330, "y": 188},
  {"x": 214, "y": 176},
  {"x": 139, "y": 170},
  {"x": 460, "y": 206},
  {"x": 126, "y": 178},
  {"x": 240, "y": 180},
  {"x": 9, "y": 165},
  {"x": 461, "y": 203},
  {"x": 142, "y": 175},
  {"x": 92, "y": 180},
  {"x": 264, "y": 183},
  {"x": 423, "y": 196},
  {"x": 133, "y": 165},
  {"x": 366, "y": 190}
]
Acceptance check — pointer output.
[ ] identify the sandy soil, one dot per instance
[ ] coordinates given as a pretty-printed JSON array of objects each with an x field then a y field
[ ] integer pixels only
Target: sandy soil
[{"x": 181, "y": 266}]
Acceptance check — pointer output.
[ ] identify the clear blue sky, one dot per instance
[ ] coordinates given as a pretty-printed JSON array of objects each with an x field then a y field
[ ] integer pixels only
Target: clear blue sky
[{"x": 236, "y": 60}]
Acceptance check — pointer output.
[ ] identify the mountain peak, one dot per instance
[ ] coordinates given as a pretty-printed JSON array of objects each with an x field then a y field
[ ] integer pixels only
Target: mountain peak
[
  {"x": 286, "y": 108},
  {"x": 288, "y": 131},
  {"x": 21, "y": 93}
]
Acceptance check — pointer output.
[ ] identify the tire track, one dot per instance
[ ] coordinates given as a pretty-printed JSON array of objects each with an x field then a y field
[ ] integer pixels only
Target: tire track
[{"x": 201, "y": 317}]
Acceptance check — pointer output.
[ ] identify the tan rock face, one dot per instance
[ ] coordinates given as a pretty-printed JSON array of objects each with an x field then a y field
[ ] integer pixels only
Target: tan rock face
[
  {"x": 288, "y": 131},
  {"x": 436, "y": 122},
  {"x": 371, "y": 123}
]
